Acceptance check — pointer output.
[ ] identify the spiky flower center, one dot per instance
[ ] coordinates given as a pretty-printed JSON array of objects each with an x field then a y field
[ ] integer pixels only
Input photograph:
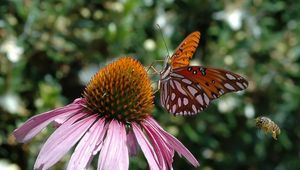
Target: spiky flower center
[{"x": 121, "y": 90}]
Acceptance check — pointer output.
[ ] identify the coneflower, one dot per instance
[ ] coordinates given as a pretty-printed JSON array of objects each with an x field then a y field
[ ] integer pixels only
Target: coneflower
[{"x": 111, "y": 120}]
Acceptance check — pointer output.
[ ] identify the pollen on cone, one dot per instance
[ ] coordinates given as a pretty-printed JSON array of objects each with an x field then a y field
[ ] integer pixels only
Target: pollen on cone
[{"x": 121, "y": 90}]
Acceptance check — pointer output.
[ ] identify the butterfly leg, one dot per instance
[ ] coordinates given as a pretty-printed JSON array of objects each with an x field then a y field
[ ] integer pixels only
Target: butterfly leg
[
  {"x": 155, "y": 88},
  {"x": 152, "y": 67},
  {"x": 156, "y": 91}
]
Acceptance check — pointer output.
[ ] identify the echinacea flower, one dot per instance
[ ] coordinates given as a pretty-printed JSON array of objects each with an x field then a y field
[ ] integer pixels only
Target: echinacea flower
[{"x": 111, "y": 120}]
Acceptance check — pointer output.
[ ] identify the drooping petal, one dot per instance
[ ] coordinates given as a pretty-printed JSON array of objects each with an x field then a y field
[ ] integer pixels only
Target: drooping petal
[
  {"x": 84, "y": 151},
  {"x": 158, "y": 136},
  {"x": 63, "y": 139},
  {"x": 114, "y": 152},
  {"x": 164, "y": 152},
  {"x": 132, "y": 143},
  {"x": 146, "y": 147},
  {"x": 176, "y": 144},
  {"x": 35, "y": 124}
]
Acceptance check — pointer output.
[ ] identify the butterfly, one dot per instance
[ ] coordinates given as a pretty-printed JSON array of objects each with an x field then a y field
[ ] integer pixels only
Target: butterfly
[{"x": 188, "y": 90}]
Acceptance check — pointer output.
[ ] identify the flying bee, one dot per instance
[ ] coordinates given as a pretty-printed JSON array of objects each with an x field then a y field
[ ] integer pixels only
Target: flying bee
[{"x": 267, "y": 125}]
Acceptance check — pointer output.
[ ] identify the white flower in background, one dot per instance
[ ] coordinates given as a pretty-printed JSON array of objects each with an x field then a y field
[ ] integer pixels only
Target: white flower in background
[
  {"x": 112, "y": 27},
  {"x": 228, "y": 60},
  {"x": 149, "y": 45},
  {"x": 12, "y": 50},
  {"x": 254, "y": 26},
  {"x": 249, "y": 111},
  {"x": 227, "y": 104},
  {"x": 10, "y": 102},
  {"x": 6, "y": 165},
  {"x": 233, "y": 16},
  {"x": 165, "y": 20},
  {"x": 115, "y": 6}
]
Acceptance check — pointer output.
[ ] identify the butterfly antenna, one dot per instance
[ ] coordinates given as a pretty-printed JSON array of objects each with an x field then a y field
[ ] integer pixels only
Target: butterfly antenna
[{"x": 160, "y": 30}]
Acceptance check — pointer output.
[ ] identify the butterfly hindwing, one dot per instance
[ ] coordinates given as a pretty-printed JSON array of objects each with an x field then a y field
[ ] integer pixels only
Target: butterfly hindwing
[{"x": 181, "y": 97}]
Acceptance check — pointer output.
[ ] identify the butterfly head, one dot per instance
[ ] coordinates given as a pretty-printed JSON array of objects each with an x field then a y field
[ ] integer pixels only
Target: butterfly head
[{"x": 167, "y": 62}]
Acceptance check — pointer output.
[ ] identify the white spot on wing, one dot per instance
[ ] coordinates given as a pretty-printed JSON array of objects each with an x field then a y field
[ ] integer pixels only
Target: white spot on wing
[
  {"x": 230, "y": 76},
  {"x": 172, "y": 84},
  {"x": 228, "y": 86},
  {"x": 177, "y": 75},
  {"x": 206, "y": 99},
  {"x": 240, "y": 85},
  {"x": 173, "y": 96},
  {"x": 192, "y": 90},
  {"x": 179, "y": 88},
  {"x": 194, "y": 108},
  {"x": 186, "y": 81},
  {"x": 174, "y": 108},
  {"x": 199, "y": 99},
  {"x": 222, "y": 91},
  {"x": 179, "y": 102},
  {"x": 165, "y": 92},
  {"x": 167, "y": 100},
  {"x": 185, "y": 101},
  {"x": 199, "y": 86},
  {"x": 215, "y": 96},
  {"x": 245, "y": 84}
]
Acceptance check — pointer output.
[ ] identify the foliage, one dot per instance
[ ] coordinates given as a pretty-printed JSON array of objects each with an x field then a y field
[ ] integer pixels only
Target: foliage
[{"x": 50, "y": 49}]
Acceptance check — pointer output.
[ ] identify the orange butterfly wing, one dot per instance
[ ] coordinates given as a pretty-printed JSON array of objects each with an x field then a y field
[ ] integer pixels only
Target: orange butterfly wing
[{"x": 184, "y": 52}]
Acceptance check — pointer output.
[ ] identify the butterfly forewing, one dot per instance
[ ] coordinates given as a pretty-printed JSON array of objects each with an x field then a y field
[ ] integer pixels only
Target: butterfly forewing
[
  {"x": 185, "y": 51},
  {"x": 190, "y": 89}
]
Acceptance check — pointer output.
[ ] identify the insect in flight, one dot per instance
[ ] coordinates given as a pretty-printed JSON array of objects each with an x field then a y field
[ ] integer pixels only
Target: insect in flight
[
  {"x": 267, "y": 125},
  {"x": 188, "y": 90}
]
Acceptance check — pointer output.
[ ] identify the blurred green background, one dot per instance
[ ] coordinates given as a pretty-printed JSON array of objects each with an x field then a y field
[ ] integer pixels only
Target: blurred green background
[{"x": 50, "y": 49}]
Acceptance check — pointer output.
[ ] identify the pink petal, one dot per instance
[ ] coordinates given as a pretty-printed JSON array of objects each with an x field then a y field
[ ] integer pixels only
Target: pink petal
[
  {"x": 177, "y": 145},
  {"x": 35, "y": 124},
  {"x": 132, "y": 143},
  {"x": 114, "y": 153},
  {"x": 84, "y": 151},
  {"x": 124, "y": 155},
  {"x": 63, "y": 139},
  {"x": 155, "y": 131},
  {"x": 99, "y": 144},
  {"x": 80, "y": 101},
  {"x": 146, "y": 147},
  {"x": 164, "y": 152}
]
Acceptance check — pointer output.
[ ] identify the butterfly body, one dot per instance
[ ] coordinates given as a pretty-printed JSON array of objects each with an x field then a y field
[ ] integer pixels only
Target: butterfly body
[{"x": 187, "y": 90}]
